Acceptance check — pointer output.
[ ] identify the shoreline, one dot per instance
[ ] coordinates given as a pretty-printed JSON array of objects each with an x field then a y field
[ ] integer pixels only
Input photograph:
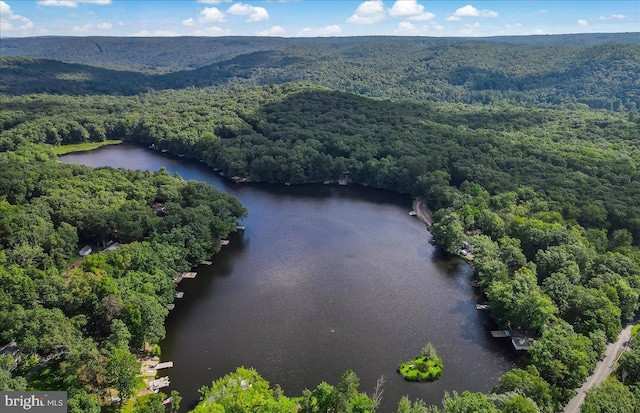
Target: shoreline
[{"x": 423, "y": 212}]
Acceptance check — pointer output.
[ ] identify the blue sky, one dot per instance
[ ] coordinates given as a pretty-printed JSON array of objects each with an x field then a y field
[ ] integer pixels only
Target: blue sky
[{"x": 289, "y": 18}]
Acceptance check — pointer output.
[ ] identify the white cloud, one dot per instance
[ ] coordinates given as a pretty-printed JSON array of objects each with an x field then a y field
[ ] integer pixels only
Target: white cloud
[
  {"x": 256, "y": 14},
  {"x": 104, "y": 26},
  {"x": 469, "y": 28},
  {"x": 518, "y": 25},
  {"x": 325, "y": 31},
  {"x": 213, "y": 1},
  {"x": 453, "y": 18},
  {"x": 213, "y": 31},
  {"x": 83, "y": 28},
  {"x": 9, "y": 21},
  {"x": 613, "y": 16},
  {"x": 583, "y": 22},
  {"x": 189, "y": 22},
  {"x": 121, "y": 23},
  {"x": 156, "y": 33},
  {"x": 470, "y": 11},
  {"x": 539, "y": 31},
  {"x": 211, "y": 15},
  {"x": 368, "y": 12},
  {"x": 71, "y": 3},
  {"x": 410, "y": 10},
  {"x": 408, "y": 28},
  {"x": 274, "y": 31}
]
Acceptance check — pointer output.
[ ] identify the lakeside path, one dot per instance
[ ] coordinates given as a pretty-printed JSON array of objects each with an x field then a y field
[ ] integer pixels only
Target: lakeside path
[
  {"x": 603, "y": 369},
  {"x": 423, "y": 211}
]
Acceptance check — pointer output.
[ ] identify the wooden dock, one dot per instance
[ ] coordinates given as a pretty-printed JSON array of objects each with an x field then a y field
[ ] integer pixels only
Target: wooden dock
[
  {"x": 522, "y": 343},
  {"x": 224, "y": 242},
  {"x": 179, "y": 294},
  {"x": 189, "y": 274},
  {"x": 500, "y": 333},
  {"x": 206, "y": 263},
  {"x": 178, "y": 279},
  {"x": 154, "y": 385},
  {"x": 240, "y": 228},
  {"x": 164, "y": 365}
]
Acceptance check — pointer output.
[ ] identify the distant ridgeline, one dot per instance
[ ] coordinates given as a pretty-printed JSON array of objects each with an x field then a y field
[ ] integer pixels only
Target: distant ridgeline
[
  {"x": 538, "y": 186},
  {"x": 562, "y": 70}
]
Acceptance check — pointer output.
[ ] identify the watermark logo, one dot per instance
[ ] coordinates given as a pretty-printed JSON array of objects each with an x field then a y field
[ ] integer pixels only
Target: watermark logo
[{"x": 33, "y": 401}]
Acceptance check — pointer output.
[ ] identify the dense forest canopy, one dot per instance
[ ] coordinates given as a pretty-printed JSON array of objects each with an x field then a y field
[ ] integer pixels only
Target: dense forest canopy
[
  {"x": 527, "y": 149},
  {"x": 599, "y": 71}
]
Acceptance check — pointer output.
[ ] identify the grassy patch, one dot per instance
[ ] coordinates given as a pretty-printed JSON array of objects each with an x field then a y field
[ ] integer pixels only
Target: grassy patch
[
  {"x": 635, "y": 330},
  {"x": 81, "y": 147},
  {"x": 425, "y": 367}
]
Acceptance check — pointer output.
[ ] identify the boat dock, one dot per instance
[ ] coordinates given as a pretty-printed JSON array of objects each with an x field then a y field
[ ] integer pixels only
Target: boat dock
[
  {"x": 164, "y": 365},
  {"x": 522, "y": 343},
  {"x": 500, "y": 333},
  {"x": 171, "y": 306},
  {"x": 206, "y": 263},
  {"x": 155, "y": 385},
  {"x": 179, "y": 294},
  {"x": 224, "y": 242},
  {"x": 240, "y": 228},
  {"x": 189, "y": 274},
  {"x": 481, "y": 307}
]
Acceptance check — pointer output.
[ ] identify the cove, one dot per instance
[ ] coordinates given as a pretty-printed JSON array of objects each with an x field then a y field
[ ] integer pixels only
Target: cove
[{"x": 323, "y": 279}]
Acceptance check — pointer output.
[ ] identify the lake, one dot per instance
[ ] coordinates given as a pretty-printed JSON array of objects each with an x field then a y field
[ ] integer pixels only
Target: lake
[{"x": 324, "y": 279}]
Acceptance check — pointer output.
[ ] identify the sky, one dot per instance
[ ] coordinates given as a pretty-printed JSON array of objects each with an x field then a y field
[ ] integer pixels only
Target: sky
[{"x": 312, "y": 18}]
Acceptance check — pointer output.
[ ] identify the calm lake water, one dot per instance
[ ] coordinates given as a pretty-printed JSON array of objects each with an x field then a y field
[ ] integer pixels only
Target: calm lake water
[{"x": 323, "y": 279}]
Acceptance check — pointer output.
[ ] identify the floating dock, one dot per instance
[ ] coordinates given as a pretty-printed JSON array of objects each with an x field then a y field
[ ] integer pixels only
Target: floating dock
[
  {"x": 189, "y": 274},
  {"x": 171, "y": 306},
  {"x": 206, "y": 263},
  {"x": 500, "y": 333},
  {"x": 165, "y": 365},
  {"x": 481, "y": 307},
  {"x": 240, "y": 228},
  {"x": 178, "y": 279},
  {"x": 154, "y": 385},
  {"x": 522, "y": 343},
  {"x": 179, "y": 294},
  {"x": 224, "y": 242}
]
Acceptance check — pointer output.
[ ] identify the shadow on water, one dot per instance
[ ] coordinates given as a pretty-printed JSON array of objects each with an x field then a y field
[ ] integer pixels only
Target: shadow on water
[{"x": 323, "y": 279}]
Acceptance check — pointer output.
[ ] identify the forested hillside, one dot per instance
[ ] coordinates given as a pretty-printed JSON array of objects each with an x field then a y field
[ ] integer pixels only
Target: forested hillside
[
  {"x": 599, "y": 71},
  {"x": 298, "y": 134},
  {"x": 500, "y": 136}
]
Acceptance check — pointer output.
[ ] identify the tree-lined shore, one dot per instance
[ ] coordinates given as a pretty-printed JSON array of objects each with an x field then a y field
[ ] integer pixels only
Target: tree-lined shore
[{"x": 539, "y": 185}]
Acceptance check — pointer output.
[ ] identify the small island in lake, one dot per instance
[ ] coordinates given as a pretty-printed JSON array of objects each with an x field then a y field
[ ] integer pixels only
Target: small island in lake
[{"x": 425, "y": 367}]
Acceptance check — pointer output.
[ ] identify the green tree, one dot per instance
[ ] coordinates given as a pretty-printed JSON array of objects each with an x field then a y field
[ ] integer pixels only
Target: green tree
[
  {"x": 563, "y": 358},
  {"x": 121, "y": 371},
  {"x": 610, "y": 396},
  {"x": 467, "y": 402}
]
